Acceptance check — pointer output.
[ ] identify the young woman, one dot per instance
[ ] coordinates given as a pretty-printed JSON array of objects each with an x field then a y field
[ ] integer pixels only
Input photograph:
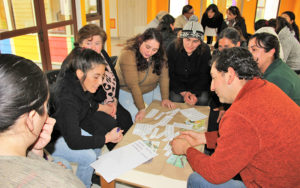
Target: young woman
[
  {"x": 189, "y": 70},
  {"x": 290, "y": 45},
  {"x": 84, "y": 124},
  {"x": 166, "y": 27},
  {"x": 290, "y": 18},
  {"x": 212, "y": 21},
  {"x": 93, "y": 37},
  {"x": 25, "y": 128},
  {"x": 234, "y": 18},
  {"x": 140, "y": 67}
]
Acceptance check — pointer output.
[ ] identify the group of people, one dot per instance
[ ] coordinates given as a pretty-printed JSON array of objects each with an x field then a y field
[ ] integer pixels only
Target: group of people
[{"x": 253, "y": 94}]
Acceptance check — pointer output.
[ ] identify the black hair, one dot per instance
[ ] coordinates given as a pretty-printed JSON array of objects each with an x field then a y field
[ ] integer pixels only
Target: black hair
[
  {"x": 272, "y": 23},
  {"x": 158, "y": 58},
  {"x": 164, "y": 24},
  {"x": 260, "y": 23},
  {"x": 268, "y": 42},
  {"x": 186, "y": 9},
  {"x": 230, "y": 33},
  {"x": 240, "y": 59},
  {"x": 281, "y": 23},
  {"x": 214, "y": 8},
  {"x": 294, "y": 25},
  {"x": 23, "y": 88},
  {"x": 80, "y": 58},
  {"x": 235, "y": 11}
]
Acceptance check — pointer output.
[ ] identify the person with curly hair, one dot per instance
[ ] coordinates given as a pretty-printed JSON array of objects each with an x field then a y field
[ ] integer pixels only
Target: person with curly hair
[
  {"x": 258, "y": 135},
  {"x": 143, "y": 73}
]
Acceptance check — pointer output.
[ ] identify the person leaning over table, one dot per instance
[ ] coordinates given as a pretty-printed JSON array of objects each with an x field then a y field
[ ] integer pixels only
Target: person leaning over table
[
  {"x": 188, "y": 61},
  {"x": 258, "y": 136},
  {"x": 265, "y": 50},
  {"x": 140, "y": 67},
  {"x": 25, "y": 128},
  {"x": 93, "y": 37},
  {"x": 84, "y": 126}
]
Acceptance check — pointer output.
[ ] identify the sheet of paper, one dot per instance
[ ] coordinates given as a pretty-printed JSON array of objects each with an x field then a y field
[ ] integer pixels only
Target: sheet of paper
[
  {"x": 159, "y": 115},
  {"x": 193, "y": 114},
  {"x": 113, "y": 164},
  {"x": 142, "y": 129},
  {"x": 183, "y": 126},
  {"x": 154, "y": 133},
  {"x": 164, "y": 121},
  {"x": 152, "y": 113}
]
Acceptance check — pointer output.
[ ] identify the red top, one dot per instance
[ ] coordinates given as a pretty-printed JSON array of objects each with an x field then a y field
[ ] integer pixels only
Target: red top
[{"x": 259, "y": 137}]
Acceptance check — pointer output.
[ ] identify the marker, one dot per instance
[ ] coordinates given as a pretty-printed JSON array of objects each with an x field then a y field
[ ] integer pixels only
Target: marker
[{"x": 118, "y": 129}]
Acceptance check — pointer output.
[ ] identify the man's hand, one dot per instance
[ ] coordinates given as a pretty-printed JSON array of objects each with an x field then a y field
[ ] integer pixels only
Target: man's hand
[
  {"x": 179, "y": 146},
  {"x": 193, "y": 138},
  {"x": 190, "y": 98}
]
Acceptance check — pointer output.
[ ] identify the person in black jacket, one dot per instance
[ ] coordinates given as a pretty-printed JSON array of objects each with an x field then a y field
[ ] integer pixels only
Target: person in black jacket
[
  {"x": 93, "y": 37},
  {"x": 212, "y": 22},
  {"x": 84, "y": 126},
  {"x": 235, "y": 19},
  {"x": 189, "y": 70},
  {"x": 166, "y": 28}
]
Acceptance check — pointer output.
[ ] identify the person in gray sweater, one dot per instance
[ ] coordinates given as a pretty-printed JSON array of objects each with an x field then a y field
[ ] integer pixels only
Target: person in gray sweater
[{"x": 291, "y": 47}]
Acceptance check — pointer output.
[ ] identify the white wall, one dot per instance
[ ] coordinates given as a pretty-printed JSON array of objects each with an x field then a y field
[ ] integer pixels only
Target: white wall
[{"x": 113, "y": 14}]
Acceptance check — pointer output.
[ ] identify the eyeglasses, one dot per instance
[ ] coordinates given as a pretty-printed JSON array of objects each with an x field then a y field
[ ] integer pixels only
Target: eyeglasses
[{"x": 191, "y": 12}]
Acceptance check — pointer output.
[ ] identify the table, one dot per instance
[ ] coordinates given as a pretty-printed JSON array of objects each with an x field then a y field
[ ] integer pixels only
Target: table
[{"x": 158, "y": 173}]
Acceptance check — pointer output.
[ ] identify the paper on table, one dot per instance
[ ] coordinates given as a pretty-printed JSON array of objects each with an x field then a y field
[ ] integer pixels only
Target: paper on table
[
  {"x": 113, "y": 164},
  {"x": 152, "y": 113},
  {"x": 193, "y": 114}
]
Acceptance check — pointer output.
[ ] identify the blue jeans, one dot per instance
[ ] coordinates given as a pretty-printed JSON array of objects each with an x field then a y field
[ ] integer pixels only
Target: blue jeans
[
  {"x": 82, "y": 157},
  {"x": 126, "y": 100},
  {"x": 197, "y": 181}
]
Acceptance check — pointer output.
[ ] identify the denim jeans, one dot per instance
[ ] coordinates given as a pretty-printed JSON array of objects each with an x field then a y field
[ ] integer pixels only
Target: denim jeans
[
  {"x": 197, "y": 181},
  {"x": 126, "y": 100},
  {"x": 82, "y": 157}
]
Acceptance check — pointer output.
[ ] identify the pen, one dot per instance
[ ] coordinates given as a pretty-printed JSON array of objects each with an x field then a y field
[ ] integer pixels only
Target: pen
[{"x": 118, "y": 129}]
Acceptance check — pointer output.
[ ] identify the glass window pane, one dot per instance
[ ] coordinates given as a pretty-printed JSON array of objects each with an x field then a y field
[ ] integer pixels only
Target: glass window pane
[
  {"x": 58, "y": 10},
  {"x": 176, "y": 7},
  {"x": 25, "y": 45},
  {"x": 97, "y": 22},
  {"x": 16, "y": 14},
  {"x": 91, "y": 6},
  {"x": 61, "y": 42}
]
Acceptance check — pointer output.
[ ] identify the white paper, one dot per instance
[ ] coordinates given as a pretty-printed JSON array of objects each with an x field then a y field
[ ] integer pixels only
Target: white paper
[
  {"x": 152, "y": 113},
  {"x": 113, "y": 164},
  {"x": 159, "y": 115},
  {"x": 183, "y": 126},
  {"x": 164, "y": 121},
  {"x": 193, "y": 114},
  {"x": 142, "y": 129},
  {"x": 153, "y": 134}
]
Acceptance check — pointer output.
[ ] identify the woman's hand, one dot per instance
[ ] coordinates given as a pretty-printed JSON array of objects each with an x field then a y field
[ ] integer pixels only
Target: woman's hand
[
  {"x": 140, "y": 115},
  {"x": 44, "y": 137},
  {"x": 190, "y": 98},
  {"x": 167, "y": 103},
  {"x": 114, "y": 136}
]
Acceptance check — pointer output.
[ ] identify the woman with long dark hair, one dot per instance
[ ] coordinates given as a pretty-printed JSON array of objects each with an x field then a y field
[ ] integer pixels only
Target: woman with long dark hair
[
  {"x": 25, "y": 128},
  {"x": 290, "y": 45},
  {"x": 84, "y": 126},
  {"x": 234, "y": 18},
  {"x": 166, "y": 27},
  {"x": 211, "y": 22},
  {"x": 290, "y": 18},
  {"x": 141, "y": 67}
]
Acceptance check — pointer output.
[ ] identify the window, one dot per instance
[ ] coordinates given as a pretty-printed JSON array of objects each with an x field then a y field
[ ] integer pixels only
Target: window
[
  {"x": 266, "y": 9},
  {"x": 176, "y": 7}
]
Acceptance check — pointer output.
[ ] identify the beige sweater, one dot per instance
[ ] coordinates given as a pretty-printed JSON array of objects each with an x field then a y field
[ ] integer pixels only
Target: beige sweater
[{"x": 130, "y": 78}]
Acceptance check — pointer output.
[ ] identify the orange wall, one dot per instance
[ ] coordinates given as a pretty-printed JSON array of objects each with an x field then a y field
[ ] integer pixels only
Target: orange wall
[
  {"x": 196, "y": 5},
  {"x": 154, "y": 6},
  {"x": 249, "y": 10},
  {"x": 290, "y": 5}
]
